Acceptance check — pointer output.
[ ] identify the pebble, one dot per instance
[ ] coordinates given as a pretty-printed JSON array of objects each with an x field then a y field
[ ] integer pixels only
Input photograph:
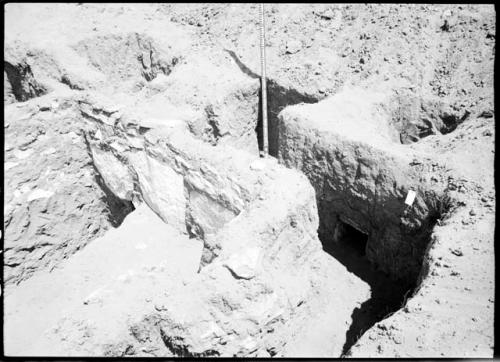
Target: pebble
[
  {"x": 447, "y": 13},
  {"x": 9, "y": 165},
  {"x": 25, "y": 188},
  {"x": 98, "y": 135},
  {"x": 40, "y": 194},
  {"x": 382, "y": 327},
  {"x": 328, "y": 14},
  {"x": 73, "y": 135},
  {"x": 118, "y": 147},
  {"x": 49, "y": 151},
  {"x": 293, "y": 46},
  {"x": 23, "y": 154},
  {"x": 257, "y": 165}
]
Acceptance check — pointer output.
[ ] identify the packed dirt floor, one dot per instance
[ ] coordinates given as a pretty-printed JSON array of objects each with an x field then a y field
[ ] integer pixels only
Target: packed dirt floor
[{"x": 141, "y": 220}]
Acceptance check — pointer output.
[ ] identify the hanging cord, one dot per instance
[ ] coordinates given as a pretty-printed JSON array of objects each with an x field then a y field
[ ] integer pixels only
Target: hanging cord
[{"x": 263, "y": 82}]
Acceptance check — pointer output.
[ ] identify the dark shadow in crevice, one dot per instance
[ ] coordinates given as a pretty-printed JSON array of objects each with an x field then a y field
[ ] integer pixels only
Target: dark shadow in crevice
[
  {"x": 258, "y": 127},
  {"x": 278, "y": 97},
  {"x": 22, "y": 82},
  {"x": 426, "y": 127},
  {"x": 348, "y": 246},
  {"x": 452, "y": 121},
  {"x": 242, "y": 66},
  {"x": 117, "y": 208}
]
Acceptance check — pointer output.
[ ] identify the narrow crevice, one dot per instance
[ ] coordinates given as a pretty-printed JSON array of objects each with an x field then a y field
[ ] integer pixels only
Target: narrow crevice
[
  {"x": 65, "y": 79},
  {"x": 118, "y": 208},
  {"x": 278, "y": 97},
  {"x": 452, "y": 121},
  {"x": 23, "y": 84},
  {"x": 258, "y": 127},
  {"x": 348, "y": 245},
  {"x": 215, "y": 133},
  {"x": 389, "y": 293},
  {"x": 193, "y": 229}
]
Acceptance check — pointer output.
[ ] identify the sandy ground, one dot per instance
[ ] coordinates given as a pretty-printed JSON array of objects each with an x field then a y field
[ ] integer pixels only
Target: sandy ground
[
  {"x": 142, "y": 244},
  {"x": 313, "y": 52}
]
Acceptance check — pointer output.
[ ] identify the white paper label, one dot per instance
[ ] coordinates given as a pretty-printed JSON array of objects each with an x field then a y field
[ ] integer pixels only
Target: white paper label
[{"x": 410, "y": 197}]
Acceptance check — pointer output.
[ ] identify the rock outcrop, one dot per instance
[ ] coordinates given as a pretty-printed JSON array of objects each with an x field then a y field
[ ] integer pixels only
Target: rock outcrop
[
  {"x": 48, "y": 132},
  {"x": 209, "y": 91},
  {"x": 19, "y": 82},
  {"x": 55, "y": 202},
  {"x": 262, "y": 271}
]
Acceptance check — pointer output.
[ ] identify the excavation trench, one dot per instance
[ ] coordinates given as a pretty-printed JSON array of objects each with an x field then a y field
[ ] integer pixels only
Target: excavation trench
[
  {"x": 279, "y": 97},
  {"x": 352, "y": 228},
  {"x": 342, "y": 239},
  {"x": 348, "y": 246}
]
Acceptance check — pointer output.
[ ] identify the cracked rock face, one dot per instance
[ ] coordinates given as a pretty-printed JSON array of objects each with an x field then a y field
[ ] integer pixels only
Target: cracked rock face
[
  {"x": 254, "y": 224},
  {"x": 55, "y": 202},
  {"x": 19, "y": 82},
  {"x": 124, "y": 56},
  {"x": 207, "y": 118},
  {"x": 222, "y": 100}
]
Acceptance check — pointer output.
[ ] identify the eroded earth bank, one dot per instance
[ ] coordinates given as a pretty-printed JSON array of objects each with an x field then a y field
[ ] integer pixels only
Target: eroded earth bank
[{"x": 141, "y": 221}]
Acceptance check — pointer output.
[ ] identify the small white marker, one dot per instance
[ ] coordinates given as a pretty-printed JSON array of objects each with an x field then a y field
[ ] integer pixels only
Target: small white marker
[{"x": 410, "y": 197}]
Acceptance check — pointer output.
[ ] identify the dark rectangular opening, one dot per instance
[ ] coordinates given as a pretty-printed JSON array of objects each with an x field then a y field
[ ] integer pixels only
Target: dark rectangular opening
[
  {"x": 350, "y": 237},
  {"x": 348, "y": 245}
]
